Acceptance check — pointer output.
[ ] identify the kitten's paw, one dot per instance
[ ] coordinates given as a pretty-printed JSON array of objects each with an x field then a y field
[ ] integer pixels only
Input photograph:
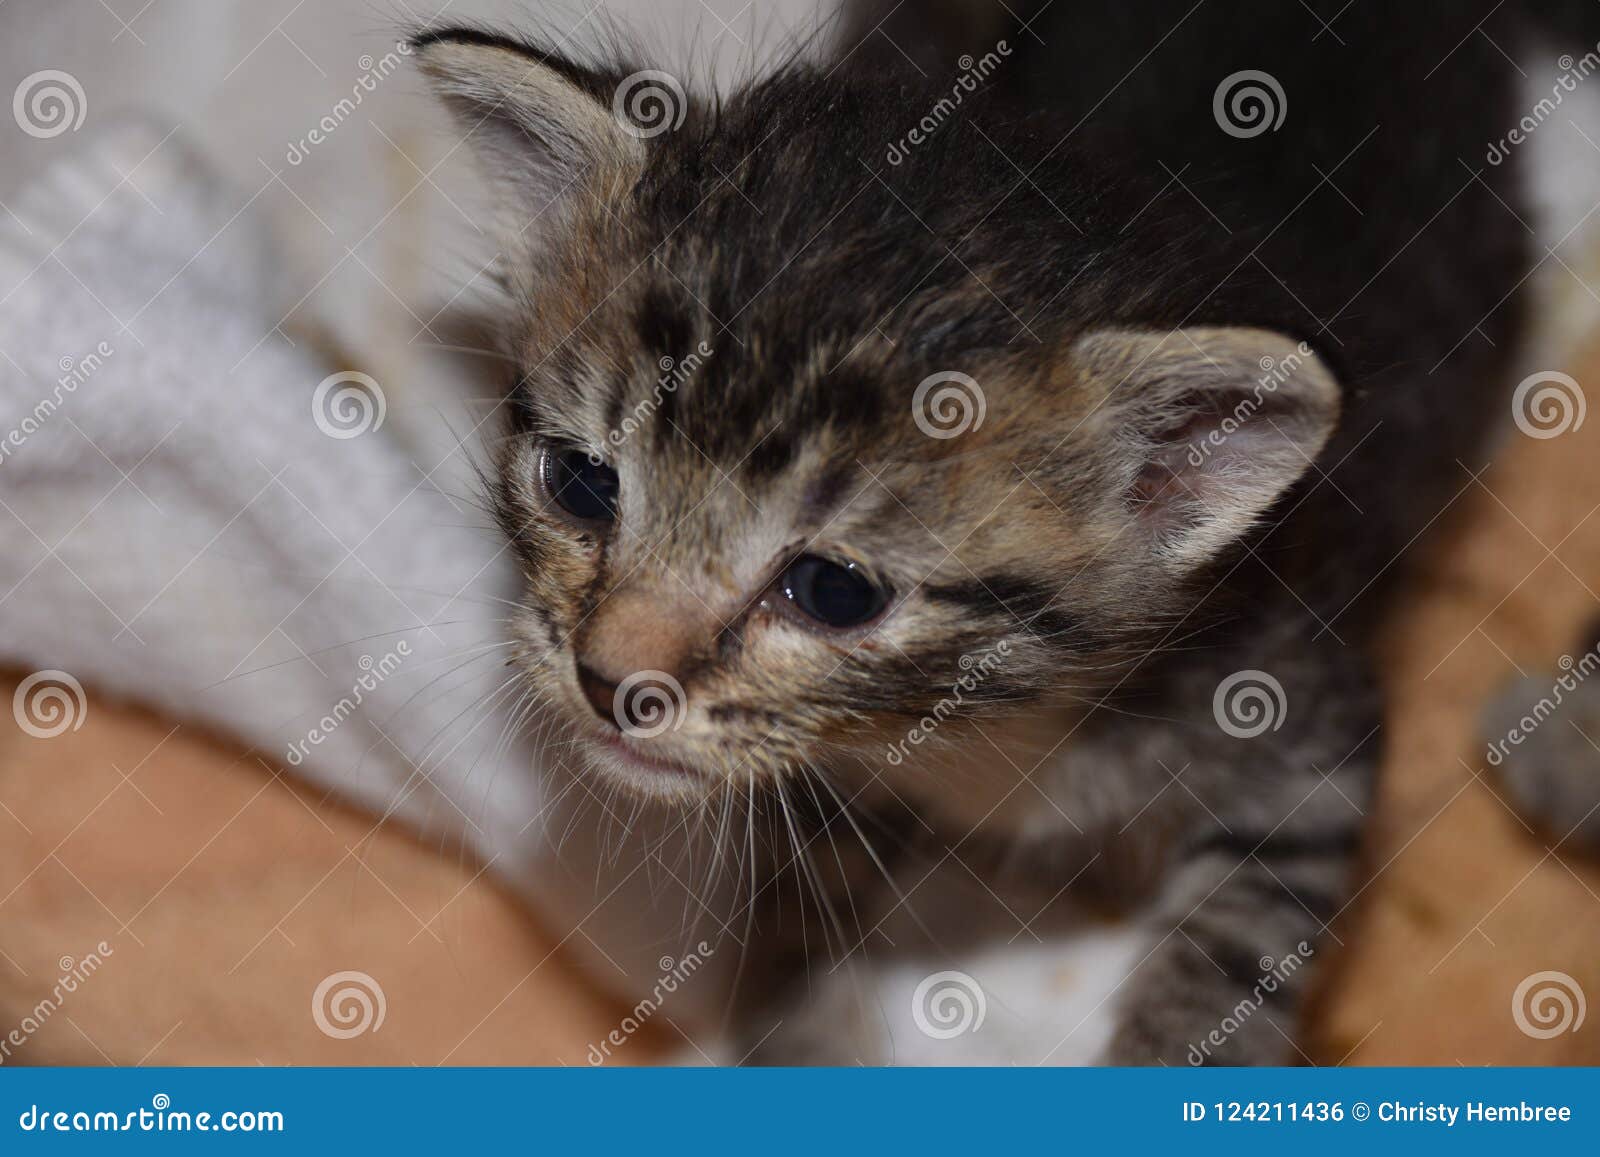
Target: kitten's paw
[
  {"x": 1541, "y": 736},
  {"x": 1180, "y": 1036}
]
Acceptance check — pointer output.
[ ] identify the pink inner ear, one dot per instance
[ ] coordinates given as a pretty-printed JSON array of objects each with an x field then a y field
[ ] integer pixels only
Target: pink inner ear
[
  {"x": 1162, "y": 478},
  {"x": 1201, "y": 441}
]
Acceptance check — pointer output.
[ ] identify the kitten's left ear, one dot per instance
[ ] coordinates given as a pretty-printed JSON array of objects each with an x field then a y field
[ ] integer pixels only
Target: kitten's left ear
[
  {"x": 542, "y": 126},
  {"x": 1199, "y": 431}
]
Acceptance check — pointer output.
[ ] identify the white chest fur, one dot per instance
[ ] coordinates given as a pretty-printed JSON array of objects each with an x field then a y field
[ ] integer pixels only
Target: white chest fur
[{"x": 962, "y": 975}]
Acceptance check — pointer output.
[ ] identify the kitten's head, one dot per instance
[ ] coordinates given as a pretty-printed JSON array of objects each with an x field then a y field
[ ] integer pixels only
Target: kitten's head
[{"x": 813, "y": 450}]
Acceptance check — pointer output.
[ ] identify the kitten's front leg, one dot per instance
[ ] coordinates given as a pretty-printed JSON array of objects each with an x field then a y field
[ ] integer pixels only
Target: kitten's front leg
[
  {"x": 1251, "y": 833},
  {"x": 1242, "y": 924}
]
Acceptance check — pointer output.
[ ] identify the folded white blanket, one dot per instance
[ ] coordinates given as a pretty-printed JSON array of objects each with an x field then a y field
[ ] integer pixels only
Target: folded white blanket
[{"x": 201, "y": 517}]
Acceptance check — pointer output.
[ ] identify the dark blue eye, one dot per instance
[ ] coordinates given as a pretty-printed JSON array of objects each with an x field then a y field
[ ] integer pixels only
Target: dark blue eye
[
  {"x": 581, "y": 486},
  {"x": 837, "y": 594}
]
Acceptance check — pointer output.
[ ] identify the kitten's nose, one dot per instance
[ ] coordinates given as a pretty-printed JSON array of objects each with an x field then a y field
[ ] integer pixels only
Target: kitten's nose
[
  {"x": 635, "y": 647},
  {"x": 601, "y": 694}
]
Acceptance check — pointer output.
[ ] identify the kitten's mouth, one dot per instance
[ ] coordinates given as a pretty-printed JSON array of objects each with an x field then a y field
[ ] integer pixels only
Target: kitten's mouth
[{"x": 640, "y": 765}]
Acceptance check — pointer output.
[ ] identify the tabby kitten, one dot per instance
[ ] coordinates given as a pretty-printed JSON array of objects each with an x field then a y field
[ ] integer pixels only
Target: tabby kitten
[{"x": 986, "y": 447}]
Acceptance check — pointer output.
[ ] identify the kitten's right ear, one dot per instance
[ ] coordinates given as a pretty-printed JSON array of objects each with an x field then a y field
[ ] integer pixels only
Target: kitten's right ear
[
  {"x": 1200, "y": 430},
  {"x": 541, "y": 125}
]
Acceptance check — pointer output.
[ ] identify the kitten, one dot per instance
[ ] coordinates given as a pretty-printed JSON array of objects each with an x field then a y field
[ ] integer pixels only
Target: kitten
[{"x": 997, "y": 474}]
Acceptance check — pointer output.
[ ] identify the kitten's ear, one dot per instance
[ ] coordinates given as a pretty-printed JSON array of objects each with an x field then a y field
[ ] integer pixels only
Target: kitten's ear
[
  {"x": 1203, "y": 429},
  {"x": 541, "y": 125}
]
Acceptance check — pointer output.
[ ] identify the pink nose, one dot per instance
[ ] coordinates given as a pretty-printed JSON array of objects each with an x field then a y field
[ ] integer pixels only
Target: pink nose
[{"x": 647, "y": 630}]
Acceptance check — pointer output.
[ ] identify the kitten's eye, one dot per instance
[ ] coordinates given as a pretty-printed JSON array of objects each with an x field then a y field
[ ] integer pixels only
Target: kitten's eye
[
  {"x": 836, "y": 594},
  {"x": 581, "y": 486}
]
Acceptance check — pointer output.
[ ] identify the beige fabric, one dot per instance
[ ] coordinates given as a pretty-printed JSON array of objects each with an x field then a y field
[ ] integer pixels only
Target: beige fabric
[{"x": 227, "y": 895}]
